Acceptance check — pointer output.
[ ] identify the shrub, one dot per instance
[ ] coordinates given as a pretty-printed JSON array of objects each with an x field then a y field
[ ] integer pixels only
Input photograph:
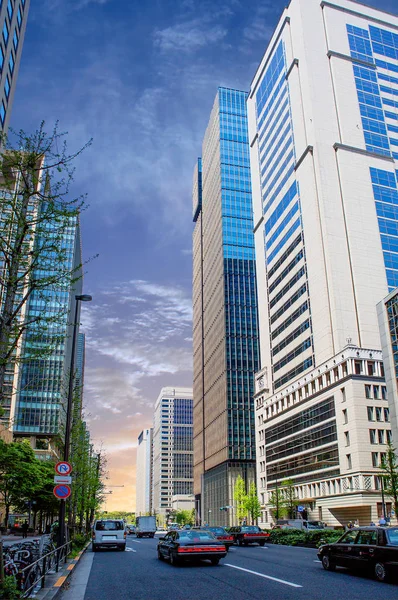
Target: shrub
[
  {"x": 79, "y": 541},
  {"x": 9, "y": 590}
]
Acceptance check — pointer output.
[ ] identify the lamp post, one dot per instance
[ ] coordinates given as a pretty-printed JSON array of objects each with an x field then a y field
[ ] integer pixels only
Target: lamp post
[{"x": 62, "y": 506}]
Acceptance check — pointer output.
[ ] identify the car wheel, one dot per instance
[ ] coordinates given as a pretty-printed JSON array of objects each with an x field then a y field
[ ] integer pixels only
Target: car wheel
[
  {"x": 240, "y": 542},
  {"x": 122, "y": 548},
  {"x": 173, "y": 560},
  {"x": 381, "y": 572},
  {"x": 327, "y": 565},
  {"x": 160, "y": 555},
  {"x": 262, "y": 543},
  {"x": 227, "y": 548},
  {"x": 94, "y": 547},
  {"x": 214, "y": 561}
]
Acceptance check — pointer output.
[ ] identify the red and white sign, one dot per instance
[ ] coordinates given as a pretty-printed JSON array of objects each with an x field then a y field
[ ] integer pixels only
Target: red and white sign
[
  {"x": 63, "y": 468},
  {"x": 62, "y": 491}
]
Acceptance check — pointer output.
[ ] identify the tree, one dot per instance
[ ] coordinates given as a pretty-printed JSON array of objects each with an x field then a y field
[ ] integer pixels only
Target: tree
[
  {"x": 290, "y": 500},
  {"x": 240, "y": 498},
  {"x": 389, "y": 466},
  {"x": 184, "y": 517},
  {"x": 35, "y": 215},
  {"x": 253, "y": 505},
  {"x": 276, "y": 501},
  {"x": 20, "y": 474}
]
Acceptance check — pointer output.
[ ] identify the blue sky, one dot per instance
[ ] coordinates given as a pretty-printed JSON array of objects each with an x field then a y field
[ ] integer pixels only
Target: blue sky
[{"x": 140, "y": 78}]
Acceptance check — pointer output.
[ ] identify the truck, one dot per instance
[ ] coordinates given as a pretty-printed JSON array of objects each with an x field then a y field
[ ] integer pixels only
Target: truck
[{"x": 145, "y": 526}]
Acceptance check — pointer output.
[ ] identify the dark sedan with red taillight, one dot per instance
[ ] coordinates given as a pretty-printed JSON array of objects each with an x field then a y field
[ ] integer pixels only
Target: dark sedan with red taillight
[
  {"x": 220, "y": 534},
  {"x": 248, "y": 534},
  {"x": 179, "y": 546}
]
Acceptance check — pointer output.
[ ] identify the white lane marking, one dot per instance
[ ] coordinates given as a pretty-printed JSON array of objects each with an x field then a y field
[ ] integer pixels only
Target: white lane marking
[
  {"x": 318, "y": 561},
  {"x": 295, "y": 585},
  {"x": 136, "y": 542},
  {"x": 130, "y": 550}
]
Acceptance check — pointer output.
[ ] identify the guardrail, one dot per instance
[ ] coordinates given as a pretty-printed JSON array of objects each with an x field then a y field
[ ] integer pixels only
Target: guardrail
[{"x": 34, "y": 574}]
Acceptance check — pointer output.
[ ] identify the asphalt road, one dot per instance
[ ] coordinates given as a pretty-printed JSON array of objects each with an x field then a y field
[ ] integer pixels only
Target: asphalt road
[{"x": 272, "y": 572}]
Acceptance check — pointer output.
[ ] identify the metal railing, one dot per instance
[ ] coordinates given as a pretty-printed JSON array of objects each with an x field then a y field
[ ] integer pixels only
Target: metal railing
[{"x": 34, "y": 574}]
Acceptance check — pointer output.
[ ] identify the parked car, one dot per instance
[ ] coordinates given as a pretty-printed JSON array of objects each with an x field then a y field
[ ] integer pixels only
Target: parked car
[
  {"x": 372, "y": 548},
  {"x": 109, "y": 533},
  {"x": 248, "y": 534},
  {"x": 184, "y": 545},
  {"x": 220, "y": 534}
]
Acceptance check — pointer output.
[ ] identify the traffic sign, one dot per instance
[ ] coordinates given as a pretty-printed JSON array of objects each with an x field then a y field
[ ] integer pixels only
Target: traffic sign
[
  {"x": 300, "y": 508},
  {"x": 62, "y": 479},
  {"x": 62, "y": 491},
  {"x": 63, "y": 468}
]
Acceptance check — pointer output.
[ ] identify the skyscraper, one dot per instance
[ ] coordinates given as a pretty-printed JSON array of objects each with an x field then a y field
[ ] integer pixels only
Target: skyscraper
[
  {"x": 143, "y": 496},
  {"x": 323, "y": 125},
  {"x": 13, "y": 18},
  {"x": 225, "y": 336},
  {"x": 387, "y": 311},
  {"x": 39, "y": 406},
  {"x": 172, "y": 471}
]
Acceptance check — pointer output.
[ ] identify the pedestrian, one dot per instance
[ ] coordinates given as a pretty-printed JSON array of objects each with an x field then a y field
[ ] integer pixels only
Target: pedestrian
[
  {"x": 25, "y": 528},
  {"x": 372, "y": 524},
  {"x": 382, "y": 521}
]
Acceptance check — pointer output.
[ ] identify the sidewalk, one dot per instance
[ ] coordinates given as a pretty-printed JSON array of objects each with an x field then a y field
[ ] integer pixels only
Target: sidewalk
[{"x": 55, "y": 581}]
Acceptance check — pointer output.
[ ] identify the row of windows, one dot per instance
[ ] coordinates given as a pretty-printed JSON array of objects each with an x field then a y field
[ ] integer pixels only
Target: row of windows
[
  {"x": 378, "y": 413},
  {"x": 291, "y": 337},
  {"x": 270, "y": 151},
  {"x": 285, "y": 221},
  {"x": 284, "y": 256},
  {"x": 296, "y": 277},
  {"x": 295, "y": 315},
  {"x": 289, "y": 302},
  {"x": 306, "y": 364},
  {"x": 286, "y": 271},
  {"x": 274, "y": 118},
  {"x": 293, "y": 354},
  {"x": 319, "y": 436},
  {"x": 278, "y": 189},
  {"x": 283, "y": 240},
  {"x": 283, "y": 204},
  {"x": 380, "y": 436}
]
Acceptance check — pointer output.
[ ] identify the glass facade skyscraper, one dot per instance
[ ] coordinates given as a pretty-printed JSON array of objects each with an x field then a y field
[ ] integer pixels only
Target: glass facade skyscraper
[
  {"x": 42, "y": 385},
  {"x": 13, "y": 19},
  {"x": 172, "y": 466},
  {"x": 225, "y": 326}
]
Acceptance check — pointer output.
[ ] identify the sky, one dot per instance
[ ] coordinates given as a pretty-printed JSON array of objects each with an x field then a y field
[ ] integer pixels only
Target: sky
[{"x": 139, "y": 78}]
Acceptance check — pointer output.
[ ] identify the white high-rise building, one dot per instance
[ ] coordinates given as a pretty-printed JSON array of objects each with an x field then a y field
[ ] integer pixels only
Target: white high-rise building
[
  {"x": 323, "y": 129},
  {"x": 172, "y": 464},
  {"x": 144, "y": 473}
]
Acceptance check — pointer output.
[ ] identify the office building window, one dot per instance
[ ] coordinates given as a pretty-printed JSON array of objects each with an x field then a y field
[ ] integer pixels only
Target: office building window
[
  {"x": 2, "y": 113},
  {"x": 375, "y": 459},
  {"x": 19, "y": 17},
  {"x": 378, "y": 413},
  {"x": 371, "y": 368},
  {"x": 7, "y": 87},
  {"x": 349, "y": 462},
  {"x": 1, "y": 58},
  {"x": 386, "y": 415},
  {"x": 376, "y": 391},
  {"x": 389, "y": 436},
  {"x": 380, "y": 434},
  {"x": 342, "y": 390},
  {"x": 384, "y": 392},
  {"x": 15, "y": 40},
  {"x": 5, "y": 33},
  {"x": 368, "y": 391},
  {"x": 358, "y": 367},
  {"x": 371, "y": 416},
  {"x": 10, "y": 9},
  {"x": 11, "y": 63},
  {"x": 347, "y": 438},
  {"x": 372, "y": 436},
  {"x": 345, "y": 417}
]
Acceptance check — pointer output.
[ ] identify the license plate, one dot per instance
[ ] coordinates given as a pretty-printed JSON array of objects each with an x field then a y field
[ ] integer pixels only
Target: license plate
[{"x": 109, "y": 537}]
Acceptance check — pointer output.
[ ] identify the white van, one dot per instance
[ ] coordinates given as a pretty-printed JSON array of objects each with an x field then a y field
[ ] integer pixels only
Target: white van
[{"x": 109, "y": 533}]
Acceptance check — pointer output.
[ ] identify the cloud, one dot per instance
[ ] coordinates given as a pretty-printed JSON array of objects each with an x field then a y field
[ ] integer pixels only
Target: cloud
[{"x": 188, "y": 37}]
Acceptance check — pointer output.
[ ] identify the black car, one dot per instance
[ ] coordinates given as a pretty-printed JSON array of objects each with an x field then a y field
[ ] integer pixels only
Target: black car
[
  {"x": 177, "y": 546},
  {"x": 248, "y": 534},
  {"x": 372, "y": 548},
  {"x": 220, "y": 534}
]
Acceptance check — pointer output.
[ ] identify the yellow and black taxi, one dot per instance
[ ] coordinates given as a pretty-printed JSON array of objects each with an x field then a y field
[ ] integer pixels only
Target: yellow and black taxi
[
  {"x": 191, "y": 544},
  {"x": 248, "y": 534},
  {"x": 372, "y": 548}
]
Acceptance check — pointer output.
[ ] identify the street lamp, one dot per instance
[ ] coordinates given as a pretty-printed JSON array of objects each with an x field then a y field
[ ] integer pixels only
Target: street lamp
[{"x": 62, "y": 506}]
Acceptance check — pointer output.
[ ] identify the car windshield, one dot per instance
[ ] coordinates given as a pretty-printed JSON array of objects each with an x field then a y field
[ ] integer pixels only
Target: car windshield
[
  {"x": 217, "y": 530},
  {"x": 109, "y": 526},
  {"x": 195, "y": 536},
  {"x": 392, "y": 536},
  {"x": 250, "y": 529}
]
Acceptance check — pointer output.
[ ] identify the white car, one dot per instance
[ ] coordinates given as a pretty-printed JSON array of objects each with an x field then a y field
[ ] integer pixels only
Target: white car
[{"x": 109, "y": 533}]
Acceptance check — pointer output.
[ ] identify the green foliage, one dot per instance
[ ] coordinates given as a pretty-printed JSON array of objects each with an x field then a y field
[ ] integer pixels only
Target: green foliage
[
  {"x": 129, "y": 517},
  {"x": 277, "y": 502},
  {"x": 21, "y": 475},
  {"x": 294, "y": 537},
  {"x": 289, "y": 498},
  {"x": 253, "y": 505},
  {"x": 240, "y": 498},
  {"x": 389, "y": 474},
  {"x": 184, "y": 517},
  {"x": 9, "y": 590}
]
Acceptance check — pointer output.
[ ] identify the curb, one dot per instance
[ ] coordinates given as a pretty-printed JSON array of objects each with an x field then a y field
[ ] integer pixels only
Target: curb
[{"x": 63, "y": 576}]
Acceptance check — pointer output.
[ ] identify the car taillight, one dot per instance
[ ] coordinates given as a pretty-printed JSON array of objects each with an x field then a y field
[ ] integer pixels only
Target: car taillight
[
  {"x": 190, "y": 549},
  {"x": 125, "y": 534},
  {"x": 93, "y": 534}
]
